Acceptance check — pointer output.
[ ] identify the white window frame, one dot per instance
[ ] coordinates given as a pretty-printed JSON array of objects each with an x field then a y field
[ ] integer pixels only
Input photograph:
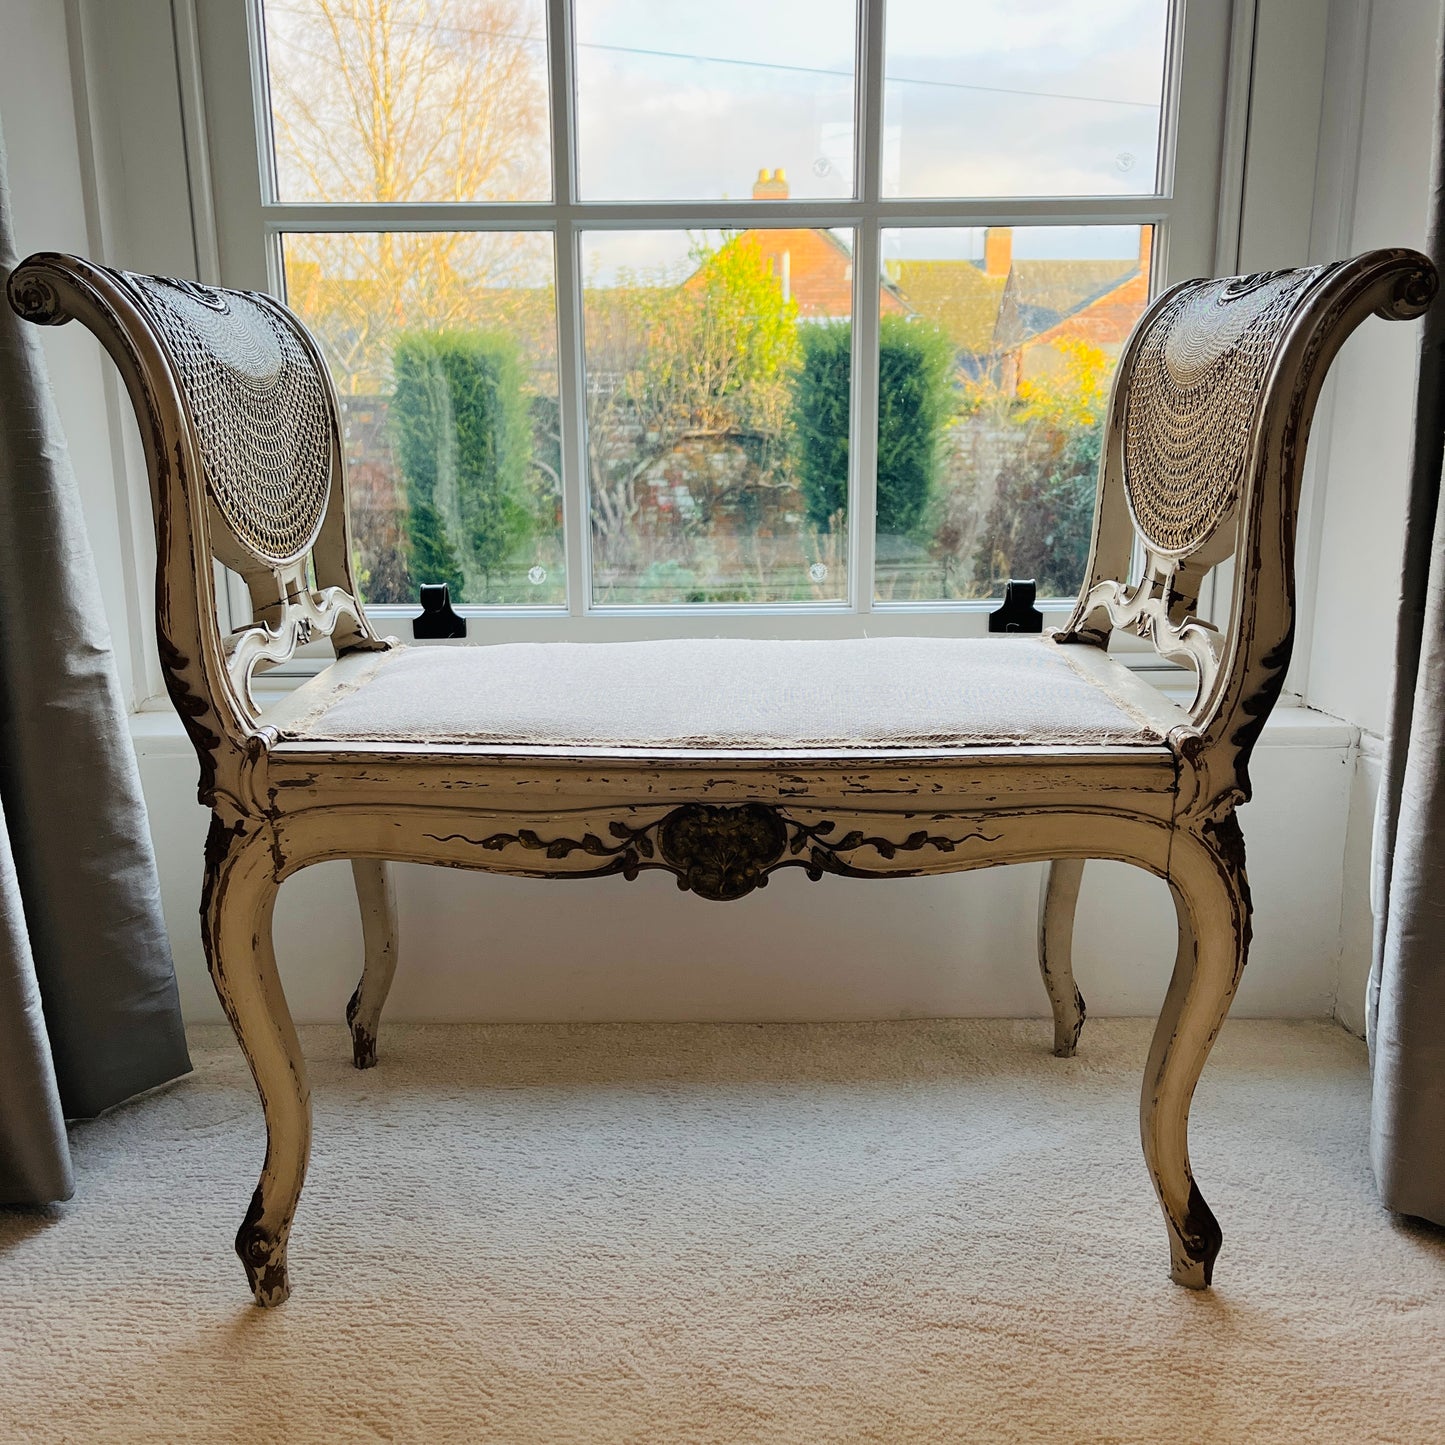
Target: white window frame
[{"x": 1195, "y": 212}]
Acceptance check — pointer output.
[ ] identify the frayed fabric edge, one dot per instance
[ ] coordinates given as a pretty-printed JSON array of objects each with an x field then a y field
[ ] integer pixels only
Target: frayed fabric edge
[
  {"x": 1109, "y": 738},
  {"x": 1149, "y": 726},
  {"x": 330, "y": 694}
]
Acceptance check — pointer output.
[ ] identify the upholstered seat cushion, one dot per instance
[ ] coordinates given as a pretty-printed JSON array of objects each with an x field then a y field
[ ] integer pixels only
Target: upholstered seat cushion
[{"x": 724, "y": 693}]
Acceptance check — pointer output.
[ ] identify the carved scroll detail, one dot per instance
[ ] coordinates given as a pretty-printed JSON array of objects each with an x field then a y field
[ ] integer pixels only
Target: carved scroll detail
[
  {"x": 1148, "y": 610},
  {"x": 34, "y": 299},
  {"x": 723, "y": 851},
  {"x": 307, "y": 614}
]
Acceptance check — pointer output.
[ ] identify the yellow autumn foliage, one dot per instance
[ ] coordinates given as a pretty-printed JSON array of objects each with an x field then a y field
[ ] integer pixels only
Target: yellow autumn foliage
[{"x": 1075, "y": 398}]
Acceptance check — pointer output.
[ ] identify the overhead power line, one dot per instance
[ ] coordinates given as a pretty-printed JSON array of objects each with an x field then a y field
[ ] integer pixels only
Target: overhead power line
[
  {"x": 753, "y": 64},
  {"x": 848, "y": 75}
]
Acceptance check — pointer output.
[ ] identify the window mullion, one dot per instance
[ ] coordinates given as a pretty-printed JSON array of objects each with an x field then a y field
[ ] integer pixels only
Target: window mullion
[
  {"x": 570, "y": 388},
  {"x": 863, "y": 442}
]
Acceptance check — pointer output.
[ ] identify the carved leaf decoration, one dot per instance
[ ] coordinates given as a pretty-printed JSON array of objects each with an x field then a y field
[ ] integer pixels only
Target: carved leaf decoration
[
  {"x": 637, "y": 837},
  {"x": 720, "y": 851}
]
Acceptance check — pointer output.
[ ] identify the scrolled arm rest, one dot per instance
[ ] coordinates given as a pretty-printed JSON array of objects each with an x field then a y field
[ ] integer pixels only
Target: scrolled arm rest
[
  {"x": 1397, "y": 285},
  {"x": 50, "y": 289},
  {"x": 1414, "y": 283},
  {"x": 32, "y": 294}
]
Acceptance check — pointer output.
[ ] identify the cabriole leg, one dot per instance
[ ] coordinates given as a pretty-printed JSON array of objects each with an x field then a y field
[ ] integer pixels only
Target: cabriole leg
[
  {"x": 236, "y": 912},
  {"x": 376, "y": 893},
  {"x": 1211, "y": 898},
  {"x": 1058, "y": 901}
]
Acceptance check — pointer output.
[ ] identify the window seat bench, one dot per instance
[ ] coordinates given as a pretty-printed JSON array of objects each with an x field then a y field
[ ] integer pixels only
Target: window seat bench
[{"x": 722, "y": 761}]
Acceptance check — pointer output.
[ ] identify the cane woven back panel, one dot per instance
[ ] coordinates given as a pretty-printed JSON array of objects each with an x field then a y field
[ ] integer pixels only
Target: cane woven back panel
[
  {"x": 1201, "y": 367},
  {"x": 260, "y": 409}
]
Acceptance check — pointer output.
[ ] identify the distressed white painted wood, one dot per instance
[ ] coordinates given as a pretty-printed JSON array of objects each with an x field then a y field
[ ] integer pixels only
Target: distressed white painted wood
[
  {"x": 1058, "y": 901},
  {"x": 376, "y": 893},
  {"x": 237, "y": 904},
  {"x": 1202, "y": 461}
]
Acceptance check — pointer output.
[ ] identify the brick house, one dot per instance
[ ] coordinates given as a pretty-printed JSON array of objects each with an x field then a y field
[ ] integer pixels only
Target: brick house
[
  {"x": 1007, "y": 318},
  {"x": 1010, "y": 318},
  {"x": 814, "y": 268},
  {"x": 1046, "y": 304}
]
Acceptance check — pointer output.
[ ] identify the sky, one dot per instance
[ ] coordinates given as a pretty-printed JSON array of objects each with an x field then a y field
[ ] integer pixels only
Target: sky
[
  {"x": 982, "y": 97},
  {"x": 778, "y": 91},
  {"x": 688, "y": 99}
]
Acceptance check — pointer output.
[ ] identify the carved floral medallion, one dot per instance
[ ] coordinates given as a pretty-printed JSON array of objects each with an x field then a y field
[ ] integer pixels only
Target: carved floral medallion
[{"x": 720, "y": 852}]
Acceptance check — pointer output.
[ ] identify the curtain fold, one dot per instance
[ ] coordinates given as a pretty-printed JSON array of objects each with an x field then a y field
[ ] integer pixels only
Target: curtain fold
[
  {"x": 1405, "y": 1004},
  {"x": 89, "y": 1013}
]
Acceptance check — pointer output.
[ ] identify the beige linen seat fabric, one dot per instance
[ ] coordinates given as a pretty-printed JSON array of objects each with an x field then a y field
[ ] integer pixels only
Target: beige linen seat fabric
[{"x": 727, "y": 693}]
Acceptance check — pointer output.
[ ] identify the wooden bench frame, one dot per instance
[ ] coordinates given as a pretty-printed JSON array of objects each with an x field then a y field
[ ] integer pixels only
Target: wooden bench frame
[{"x": 1213, "y": 372}]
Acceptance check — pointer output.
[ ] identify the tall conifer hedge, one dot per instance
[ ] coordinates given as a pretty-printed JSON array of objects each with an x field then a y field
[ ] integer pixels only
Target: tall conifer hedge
[
  {"x": 915, "y": 400},
  {"x": 464, "y": 441}
]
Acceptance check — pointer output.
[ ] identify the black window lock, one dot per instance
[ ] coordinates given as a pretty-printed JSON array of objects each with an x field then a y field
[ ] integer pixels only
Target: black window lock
[
  {"x": 1018, "y": 613},
  {"x": 437, "y": 619}
]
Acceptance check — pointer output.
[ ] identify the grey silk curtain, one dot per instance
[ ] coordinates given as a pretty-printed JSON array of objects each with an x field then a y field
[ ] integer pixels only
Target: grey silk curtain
[
  {"x": 1405, "y": 1008},
  {"x": 88, "y": 1007}
]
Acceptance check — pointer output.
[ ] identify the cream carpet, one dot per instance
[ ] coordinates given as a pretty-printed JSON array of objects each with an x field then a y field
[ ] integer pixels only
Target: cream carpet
[{"x": 905, "y": 1232}]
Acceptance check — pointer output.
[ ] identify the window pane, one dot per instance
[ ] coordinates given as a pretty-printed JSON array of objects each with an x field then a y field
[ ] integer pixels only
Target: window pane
[
  {"x": 409, "y": 100},
  {"x": 692, "y": 100},
  {"x": 443, "y": 347},
  {"x": 717, "y": 414},
  {"x": 999, "y": 98},
  {"x": 995, "y": 370}
]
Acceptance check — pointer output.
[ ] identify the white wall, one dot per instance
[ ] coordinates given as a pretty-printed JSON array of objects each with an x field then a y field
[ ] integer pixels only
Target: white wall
[
  {"x": 1360, "y": 529},
  {"x": 1351, "y": 649},
  {"x": 1357, "y": 920}
]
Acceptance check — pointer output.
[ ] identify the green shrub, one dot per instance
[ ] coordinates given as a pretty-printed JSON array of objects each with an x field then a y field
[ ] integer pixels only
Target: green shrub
[
  {"x": 915, "y": 401},
  {"x": 463, "y": 433},
  {"x": 820, "y": 419}
]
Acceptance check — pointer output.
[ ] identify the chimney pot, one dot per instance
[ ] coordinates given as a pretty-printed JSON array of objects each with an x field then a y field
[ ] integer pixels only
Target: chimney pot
[
  {"x": 771, "y": 185},
  {"x": 998, "y": 250}
]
